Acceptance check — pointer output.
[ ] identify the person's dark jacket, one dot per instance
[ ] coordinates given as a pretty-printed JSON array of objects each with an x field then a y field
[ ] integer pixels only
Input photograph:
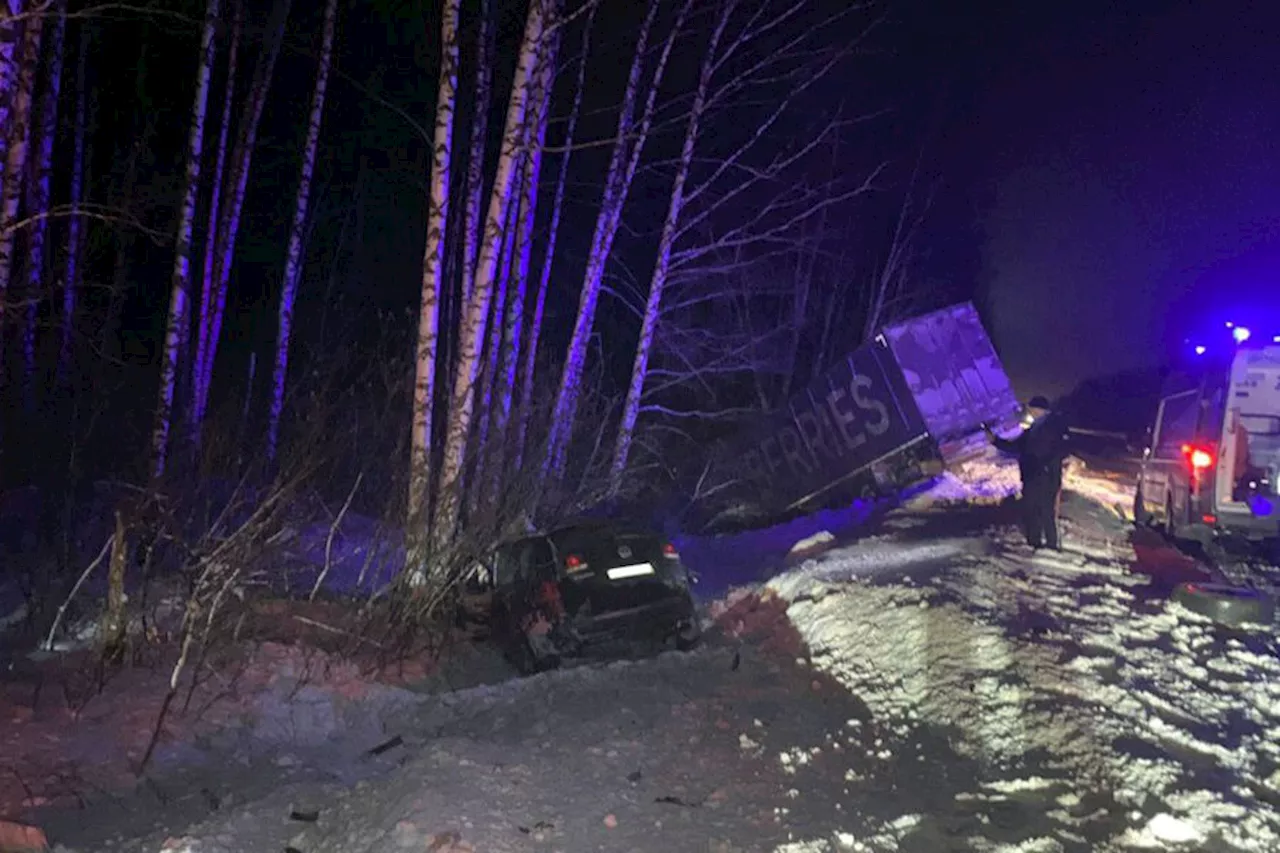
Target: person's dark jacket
[{"x": 1041, "y": 448}]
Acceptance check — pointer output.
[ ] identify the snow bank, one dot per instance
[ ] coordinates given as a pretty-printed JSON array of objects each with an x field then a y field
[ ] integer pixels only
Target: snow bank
[
  {"x": 741, "y": 559},
  {"x": 989, "y": 478}
]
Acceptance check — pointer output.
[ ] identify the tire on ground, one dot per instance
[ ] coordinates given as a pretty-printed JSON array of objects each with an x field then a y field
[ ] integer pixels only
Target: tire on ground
[{"x": 1227, "y": 605}]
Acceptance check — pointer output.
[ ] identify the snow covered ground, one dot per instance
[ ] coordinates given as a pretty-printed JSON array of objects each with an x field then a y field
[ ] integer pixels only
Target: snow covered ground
[
  {"x": 927, "y": 685},
  {"x": 1123, "y": 721}
]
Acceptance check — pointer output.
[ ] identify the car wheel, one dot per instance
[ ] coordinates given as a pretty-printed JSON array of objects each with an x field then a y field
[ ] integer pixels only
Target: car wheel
[
  {"x": 1170, "y": 526},
  {"x": 1141, "y": 518},
  {"x": 689, "y": 635},
  {"x": 1227, "y": 605},
  {"x": 689, "y": 638},
  {"x": 534, "y": 654}
]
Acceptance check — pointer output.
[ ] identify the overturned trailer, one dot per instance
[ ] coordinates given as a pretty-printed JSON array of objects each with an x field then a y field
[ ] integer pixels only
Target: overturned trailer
[{"x": 892, "y": 413}]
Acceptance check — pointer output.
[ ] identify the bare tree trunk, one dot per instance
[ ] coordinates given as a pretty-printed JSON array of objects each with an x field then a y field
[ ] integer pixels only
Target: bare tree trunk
[
  {"x": 242, "y": 160},
  {"x": 475, "y": 157},
  {"x": 38, "y": 198},
  {"x": 658, "y": 279},
  {"x": 18, "y": 139},
  {"x": 471, "y": 339},
  {"x": 181, "y": 286},
  {"x": 208, "y": 280},
  {"x": 544, "y": 281},
  {"x": 514, "y": 321},
  {"x": 424, "y": 381},
  {"x": 293, "y": 261},
  {"x": 627, "y": 148},
  {"x": 10, "y": 36},
  {"x": 891, "y": 280},
  {"x": 492, "y": 353},
  {"x": 75, "y": 228}
]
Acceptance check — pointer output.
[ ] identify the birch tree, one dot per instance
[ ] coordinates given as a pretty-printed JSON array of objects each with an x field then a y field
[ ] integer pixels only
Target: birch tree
[
  {"x": 471, "y": 339},
  {"x": 293, "y": 259},
  {"x": 429, "y": 309},
  {"x": 38, "y": 194},
  {"x": 18, "y": 137},
  {"x": 181, "y": 283},
  {"x": 476, "y": 149},
  {"x": 492, "y": 352},
  {"x": 509, "y": 359},
  {"x": 229, "y": 227},
  {"x": 10, "y": 38},
  {"x": 75, "y": 228},
  {"x": 209, "y": 277},
  {"x": 658, "y": 280},
  {"x": 553, "y": 229},
  {"x": 745, "y": 204},
  {"x": 627, "y": 149}
]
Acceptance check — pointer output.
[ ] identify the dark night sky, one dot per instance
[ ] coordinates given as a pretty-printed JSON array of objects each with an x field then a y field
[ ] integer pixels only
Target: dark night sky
[{"x": 1124, "y": 167}]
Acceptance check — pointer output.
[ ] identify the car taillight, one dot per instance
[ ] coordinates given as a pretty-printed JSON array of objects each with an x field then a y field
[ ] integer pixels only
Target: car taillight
[
  {"x": 670, "y": 551},
  {"x": 574, "y": 563},
  {"x": 1199, "y": 458}
]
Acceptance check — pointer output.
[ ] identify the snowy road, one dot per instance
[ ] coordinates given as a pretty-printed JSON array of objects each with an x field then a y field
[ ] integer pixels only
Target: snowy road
[
  {"x": 963, "y": 694},
  {"x": 1113, "y": 719}
]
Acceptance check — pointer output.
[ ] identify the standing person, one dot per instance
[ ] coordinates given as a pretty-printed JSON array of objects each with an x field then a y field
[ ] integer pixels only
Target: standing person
[{"x": 1041, "y": 449}]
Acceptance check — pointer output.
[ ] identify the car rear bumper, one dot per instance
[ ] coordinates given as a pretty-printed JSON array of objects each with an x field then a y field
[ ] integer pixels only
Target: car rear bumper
[
  {"x": 1248, "y": 526},
  {"x": 659, "y": 618}
]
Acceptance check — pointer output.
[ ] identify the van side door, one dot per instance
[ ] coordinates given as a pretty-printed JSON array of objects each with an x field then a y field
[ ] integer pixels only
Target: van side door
[{"x": 1166, "y": 482}]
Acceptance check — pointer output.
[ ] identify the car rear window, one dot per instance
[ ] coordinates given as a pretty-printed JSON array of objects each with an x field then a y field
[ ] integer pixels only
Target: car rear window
[{"x": 604, "y": 546}]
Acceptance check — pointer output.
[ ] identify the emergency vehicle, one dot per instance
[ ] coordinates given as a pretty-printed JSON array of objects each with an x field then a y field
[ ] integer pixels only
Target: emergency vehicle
[{"x": 1212, "y": 461}]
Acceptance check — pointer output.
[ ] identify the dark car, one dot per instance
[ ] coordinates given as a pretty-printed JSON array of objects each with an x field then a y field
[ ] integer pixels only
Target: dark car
[{"x": 589, "y": 586}]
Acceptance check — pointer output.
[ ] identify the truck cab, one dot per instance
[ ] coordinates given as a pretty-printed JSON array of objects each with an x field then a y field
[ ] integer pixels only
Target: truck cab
[{"x": 1212, "y": 461}]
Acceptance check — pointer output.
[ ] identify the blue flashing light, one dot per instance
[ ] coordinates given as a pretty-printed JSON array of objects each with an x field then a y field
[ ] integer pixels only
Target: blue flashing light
[
  {"x": 1201, "y": 349},
  {"x": 1240, "y": 334},
  {"x": 1262, "y": 507},
  {"x": 1230, "y": 325}
]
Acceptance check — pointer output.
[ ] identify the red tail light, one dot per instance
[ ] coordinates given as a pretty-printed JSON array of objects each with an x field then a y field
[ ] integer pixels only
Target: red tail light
[
  {"x": 574, "y": 563},
  {"x": 1199, "y": 458},
  {"x": 669, "y": 550}
]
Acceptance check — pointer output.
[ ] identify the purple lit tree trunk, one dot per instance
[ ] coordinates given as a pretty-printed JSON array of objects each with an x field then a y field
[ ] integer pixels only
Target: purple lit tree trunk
[
  {"x": 242, "y": 160},
  {"x": 10, "y": 36},
  {"x": 475, "y": 157},
  {"x": 181, "y": 285},
  {"x": 471, "y": 339},
  {"x": 208, "y": 280},
  {"x": 38, "y": 197},
  {"x": 662, "y": 266},
  {"x": 544, "y": 281},
  {"x": 424, "y": 378},
  {"x": 75, "y": 228},
  {"x": 492, "y": 353},
  {"x": 293, "y": 260},
  {"x": 628, "y": 145},
  {"x": 18, "y": 141},
  {"x": 514, "y": 320}
]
